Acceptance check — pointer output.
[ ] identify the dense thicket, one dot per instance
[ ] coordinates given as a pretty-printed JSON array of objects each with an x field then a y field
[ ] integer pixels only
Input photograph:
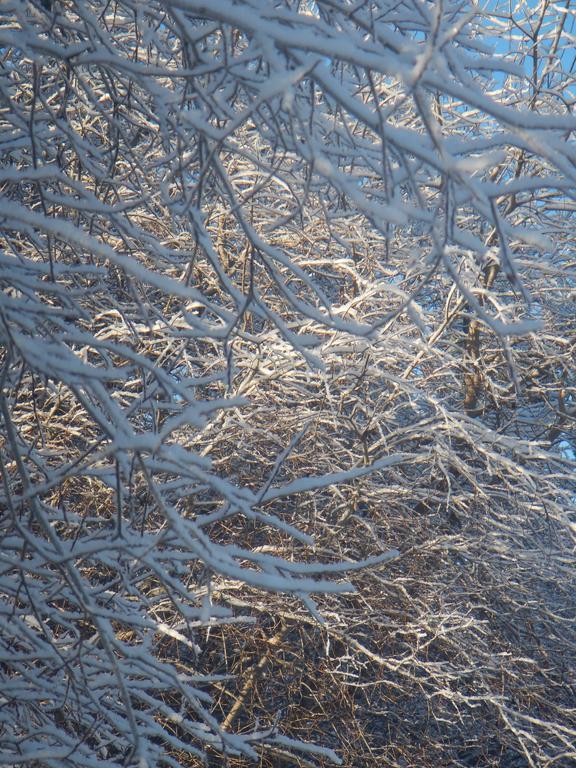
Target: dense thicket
[{"x": 287, "y": 386}]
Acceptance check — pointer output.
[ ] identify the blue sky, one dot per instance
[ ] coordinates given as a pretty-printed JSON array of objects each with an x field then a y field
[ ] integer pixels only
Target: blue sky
[{"x": 526, "y": 13}]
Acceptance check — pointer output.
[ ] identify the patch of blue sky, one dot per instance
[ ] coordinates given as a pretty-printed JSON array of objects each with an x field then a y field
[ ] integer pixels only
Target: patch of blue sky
[
  {"x": 522, "y": 27},
  {"x": 568, "y": 449}
]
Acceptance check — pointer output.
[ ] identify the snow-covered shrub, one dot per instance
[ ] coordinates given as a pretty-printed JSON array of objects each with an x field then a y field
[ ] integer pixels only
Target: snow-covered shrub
[{"x": 287, "y": 309}]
